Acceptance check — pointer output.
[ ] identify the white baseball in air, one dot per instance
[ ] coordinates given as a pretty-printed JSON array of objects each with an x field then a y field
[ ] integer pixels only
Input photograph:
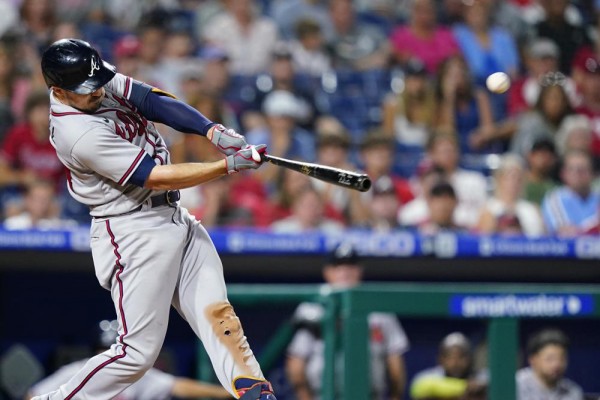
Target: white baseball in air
[
  {"x": 255, "y": 155},
  {"x": 498, "y": 82}
]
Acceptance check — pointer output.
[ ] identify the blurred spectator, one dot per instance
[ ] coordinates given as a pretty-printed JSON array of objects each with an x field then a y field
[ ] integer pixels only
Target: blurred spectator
[
  {"x": 38, "y": 18},
  {"x": 288, "y": 186},
  {"x": 590, "y": 106},
  {"x": 377, "y": 156},
  {"x": 441, "y": 205},
  {"x": 152, "y": 39},
  {"x": 248, "y": 37},
  {"x": 486, "y": 48},
  {"x": 551, "y": 109},
  {"x": 465, "y": 109},
  {"x": 541, "y": 62},
  {"x": 507, "y": 212},
  {"x": 556, "y": 26},
  {"x": 333, "y": 146},
  {"x": 237, "y": 202},
  {"x": 308, "y": 49},
  {"x": 573, "y": 208},
  {"x": 387, "y": 340},
  {"x": 423, "y": 39},
  {"x": 470, "y": 186},
  {"x": 541, "y": 162},
  {"x": 575, "y": 134},
  {"x": 154, "y": 385},
  {"x": 26, "y": 152},
  {"x": 40, "y": 209},
  {"x": 410, "y": 115},
  {"x": 454, "y": 376},
  {"x": 507, "y": 15},
  {"x": 355, "y": 45},
  {"x": 308, "y": 215},
  {"x": 282, "y": 135},
  {"x": 177, "y": 54},
  {"x": 126, "y": 55},
  {"x": 288, "y": 13},
  {"x": 282, "y": 75},
  {"x": 416, "y": 211},
  {"x": 547, "y": 353},
  {"x": 9, "y": 17},
  {"x": 384, "y": 205}
]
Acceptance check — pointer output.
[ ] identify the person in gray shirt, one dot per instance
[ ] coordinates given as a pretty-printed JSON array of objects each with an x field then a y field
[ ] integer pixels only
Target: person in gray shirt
[{"x": 544, "y": 379}]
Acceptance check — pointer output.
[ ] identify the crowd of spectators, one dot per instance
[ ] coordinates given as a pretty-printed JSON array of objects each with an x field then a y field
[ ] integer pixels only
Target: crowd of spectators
[{"x": 393, "y": 88}]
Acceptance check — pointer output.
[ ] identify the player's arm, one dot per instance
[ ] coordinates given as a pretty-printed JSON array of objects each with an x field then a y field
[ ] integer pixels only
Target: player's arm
[
  {"x": 181, "y": 176},
  {"x": 295, "y": 368},
  {"x": 397, "y": 375},
  {"x": 190, "y": 389},
  {"x": 159, "y": 106}
]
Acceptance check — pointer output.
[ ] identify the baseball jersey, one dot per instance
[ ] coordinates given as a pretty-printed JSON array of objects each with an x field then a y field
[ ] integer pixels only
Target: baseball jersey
[
  {"x": 154, "y": 385},
  {"x": 530, "y": 388},
  {"x": 103, "y": 149},
  {"x": 386, "y": 338}
]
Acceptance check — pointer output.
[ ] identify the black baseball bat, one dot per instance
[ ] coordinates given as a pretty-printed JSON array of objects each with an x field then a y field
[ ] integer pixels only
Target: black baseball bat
[{"x": 335, "y": 176}]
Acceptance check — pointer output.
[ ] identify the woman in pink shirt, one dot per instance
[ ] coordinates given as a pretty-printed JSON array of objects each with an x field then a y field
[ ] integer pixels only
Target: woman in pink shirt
[{"x": 423, "y": 38}]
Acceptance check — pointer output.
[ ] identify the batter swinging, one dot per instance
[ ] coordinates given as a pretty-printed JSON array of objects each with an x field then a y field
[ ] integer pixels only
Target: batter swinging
[{"x": 149, "y": 252}]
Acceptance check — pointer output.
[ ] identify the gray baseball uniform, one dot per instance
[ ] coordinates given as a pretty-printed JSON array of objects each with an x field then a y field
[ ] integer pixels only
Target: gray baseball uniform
[
  {"x": 386, "y": 338},
  {"x": 154, "y": 385},
  {"x": 149, "y": 254}
]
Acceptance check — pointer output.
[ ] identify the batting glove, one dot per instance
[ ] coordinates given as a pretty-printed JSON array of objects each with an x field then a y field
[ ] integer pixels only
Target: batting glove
[
  {"x": 245, "y": 158},
  {"x": 227, "y": 141}
]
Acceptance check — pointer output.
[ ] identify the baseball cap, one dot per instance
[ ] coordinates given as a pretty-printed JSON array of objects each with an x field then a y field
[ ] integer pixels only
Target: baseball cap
[
  {"x": 543, "y": 144},
  {"x": 543, "y": 48},
  {"x": 376, "y": 138},
  {"x": 415, "y": 67},
  {"x": 213, "y": 53},
  {"x": 281, "y": 50},
  {"x": 383, "y": 185},
  {"x": 127, "y": 46},
  {"x": 442, "y": 188},
  {"x": 343, "y": 253},
  {"x": 592, "y": 65},
  {"x": 283, "y": 104},
  {"x": 455, "y": 339}
]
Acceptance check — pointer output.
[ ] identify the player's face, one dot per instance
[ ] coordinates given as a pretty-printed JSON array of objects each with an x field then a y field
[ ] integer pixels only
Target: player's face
[
  {"x": 549, "y": 364},
  {"x": 88, "y": 103},
  {"x": 456, "y": 362}
]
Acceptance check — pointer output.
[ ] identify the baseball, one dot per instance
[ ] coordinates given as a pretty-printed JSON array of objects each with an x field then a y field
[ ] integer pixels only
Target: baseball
[
  {"x": 498, "y": 82},
  {"x": 255, "y": 155}
]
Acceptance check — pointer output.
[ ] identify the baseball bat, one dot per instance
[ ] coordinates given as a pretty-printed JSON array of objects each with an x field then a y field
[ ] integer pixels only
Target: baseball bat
[{"x": 335, "y": 176}]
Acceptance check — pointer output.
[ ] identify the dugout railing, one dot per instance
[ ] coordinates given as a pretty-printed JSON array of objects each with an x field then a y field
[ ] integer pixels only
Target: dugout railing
[{"x": 502, "y": 305}]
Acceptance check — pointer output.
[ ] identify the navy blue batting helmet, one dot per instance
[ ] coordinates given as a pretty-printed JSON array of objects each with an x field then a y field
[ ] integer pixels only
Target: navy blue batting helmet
[{"x": 74, "y": 65}]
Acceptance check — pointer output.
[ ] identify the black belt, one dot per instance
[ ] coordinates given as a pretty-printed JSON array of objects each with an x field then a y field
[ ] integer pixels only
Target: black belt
[{"x": 170, "y": 198}]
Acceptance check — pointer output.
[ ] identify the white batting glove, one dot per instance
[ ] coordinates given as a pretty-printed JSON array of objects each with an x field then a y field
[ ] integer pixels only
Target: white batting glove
[
  {"x": 247, "y": 158},
  {"x": 226, "y": 140}
]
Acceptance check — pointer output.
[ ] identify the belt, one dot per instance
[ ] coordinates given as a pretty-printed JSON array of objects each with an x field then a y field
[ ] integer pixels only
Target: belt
[{"x": 170, "y": 197}]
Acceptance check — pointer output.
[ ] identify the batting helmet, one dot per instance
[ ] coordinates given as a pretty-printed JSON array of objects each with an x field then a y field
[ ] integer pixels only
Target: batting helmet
[{"x": 74, "y": 65}]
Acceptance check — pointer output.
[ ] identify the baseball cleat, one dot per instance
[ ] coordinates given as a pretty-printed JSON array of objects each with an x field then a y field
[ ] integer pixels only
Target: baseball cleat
[{"x": 253, "y": 389}]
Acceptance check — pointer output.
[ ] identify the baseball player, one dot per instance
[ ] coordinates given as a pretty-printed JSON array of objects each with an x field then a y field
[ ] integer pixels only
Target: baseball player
[
  {"x": 388, "y": 341},
  {"x": 154, "y": 385},
  {"x": 149, "y": 252}
]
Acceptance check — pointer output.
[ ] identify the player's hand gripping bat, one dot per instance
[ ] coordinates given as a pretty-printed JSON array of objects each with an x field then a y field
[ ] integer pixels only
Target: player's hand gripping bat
[{"x": 335, "y": 176}]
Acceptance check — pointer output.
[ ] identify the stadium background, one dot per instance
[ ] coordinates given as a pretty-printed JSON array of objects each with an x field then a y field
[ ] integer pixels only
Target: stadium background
[{"x": 50, "y": 299}]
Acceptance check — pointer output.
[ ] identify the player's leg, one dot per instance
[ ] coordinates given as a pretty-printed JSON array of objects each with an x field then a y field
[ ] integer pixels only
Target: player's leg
[
  {"x": 139, "y": 255},
  {"x": 202, "y": 299}
]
